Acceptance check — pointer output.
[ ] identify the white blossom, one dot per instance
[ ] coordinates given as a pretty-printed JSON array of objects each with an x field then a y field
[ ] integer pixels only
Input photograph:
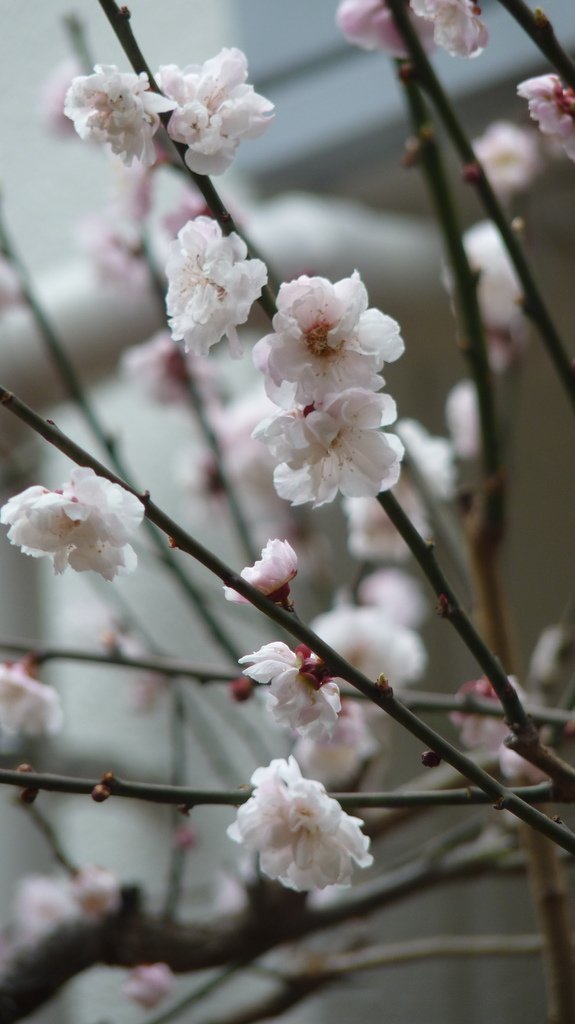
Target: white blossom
[
  {"x": 509, "y": 156},
  {"x": 42, "y": 904},
  {"x": 85, "y": 524},
  {"x": 399, "y": 596},
  {"x": 27, "y": 707},
  {"x": 457, "y": 25},
  {"x": 373, "y": 644},
  {"x": 211, "y": 286},
  {"x": 301, "y": 696},
  {"x": 96, "y": 891},
  {"x": 335, "y": 445},
  {"x": 271, "y": 574},
  {"x": 149, "y": 984},
  {"x": 552, "y": 105},
  {"x": 215, "y": 109},
  {"x": 325, "y": 340},
  {"x": 118, "y": 109},
  {"x": 302, "y": 835},
  {"x": 371, "y": 533},
  {"x": 433, "y": 456}
]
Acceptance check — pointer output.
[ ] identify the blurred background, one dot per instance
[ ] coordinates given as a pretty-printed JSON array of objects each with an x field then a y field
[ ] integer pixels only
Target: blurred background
[{"x": 324, "y": 191}]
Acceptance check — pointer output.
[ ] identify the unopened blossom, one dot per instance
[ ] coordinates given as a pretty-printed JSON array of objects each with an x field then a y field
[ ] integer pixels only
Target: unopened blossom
[
  {"x": 456, "y": 24},
  {"x": 302, "y": 694},
  {"x": 334, "y": 445},
  {"x": 271, "y": 574},
  {"x": 552, "y": 105},
  {"x": 303, "y": 837},
  {"x": 325, "y": 340},
  {"x": 337, "y": 760},
  {"x": 462, "y": 418},
  {"x": 41, "y": 904},
  {"x": 27, "y": 707},
  {"x": 215, "y": 109},
  {"x": 117, "y": 109},
  {"x": 371, "y": 25},
  {"x": 96, "y": 891},
  {"x": 372, "y": 535},
  {"x": 433, "y": 457},
  {"x": 399, "y": 596},
  {"x": 211, "y": 286},
  {"x": 509, "y": 156},
  {"x": 85, "y": 524},
  {"x": 149, "y": 984},
  {"x": 373, "y": 643},
  {"x": 499, "y": 293}
]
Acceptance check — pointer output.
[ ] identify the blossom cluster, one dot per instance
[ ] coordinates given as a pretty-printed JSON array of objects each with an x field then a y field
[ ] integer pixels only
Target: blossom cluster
[
  {"x": 211, "y": 107},
  {"x": 453, "y": 25},
  {"x": 322, "y": 369},
  {"x": 302, "y": 835}
]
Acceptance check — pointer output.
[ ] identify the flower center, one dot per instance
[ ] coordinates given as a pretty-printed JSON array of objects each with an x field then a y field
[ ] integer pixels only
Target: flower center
[{"x": 317, "y": 341}]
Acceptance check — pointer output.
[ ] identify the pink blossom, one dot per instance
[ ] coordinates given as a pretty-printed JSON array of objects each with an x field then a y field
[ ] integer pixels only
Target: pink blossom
[
  {"x": 41, "y": 905},
  {"x": 302, "y": 695},
  {"x": 302, "y": 835},
  {"x": 149, "y": 984},
  {"x": 336, "y": 444},
  {"x": 399, "y": 596},
  {"x": 212, "y": 286},
  {"x": 96, "y": 891},
  {"x": 117, "y": 109},
  {"x": 114, "y": 246},
  {"x": 271, "y": 574},
  {"x": 456, "y": 23},
  {"x": 27, "y": 707},
  {"x": 552, "y": 105},
  {"x": 215, "y": 109},
  {"x": 462, "y": 417},
  {"x": 337, "y": 760},
  {"x": 192, "y": 204},
  {"x": 163, "y": 371},
  {"x": 370, "y": 24},
  {"x": 85, "y": 524},
  {"x": 325, "y": 341},
  {"x": 509, "y": 156},
  {"x": 53, "y": 94}
]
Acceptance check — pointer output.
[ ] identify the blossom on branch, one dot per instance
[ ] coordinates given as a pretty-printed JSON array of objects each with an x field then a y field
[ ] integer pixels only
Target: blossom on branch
[
  {"x": 325, "y": 340},
  {"x": 302, "y": 694},
  {"x": 552, "y": 105},
  {"x": 371, "y": 25},
  {"x": 118, "y": 109},
  {"x": 27, "y": 707},
  {"x": 215, "y": 109},
  {"x": 337, "y": 760},
  {"x": 302, "y": 835},
  {"x": 499, "y": 292},
  {"x": 457, "y": 25},
  {"x": 509, "y": 156},
  {"x": 271, "y": 574},
  {"x": 85, "y": 524},
  {"x": 211, "y": 286},
  {"x": 334, "y": 444},
  {"x": 373, "y": 643}
]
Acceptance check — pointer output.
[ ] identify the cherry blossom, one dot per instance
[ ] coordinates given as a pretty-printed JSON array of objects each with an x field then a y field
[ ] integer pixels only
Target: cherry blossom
[
  {"x": 114, "y": 247},
  {"x": 337, "y": 760},
  {"x": 302, "y": 694},
  {"x": 398, "y": 595},
  {"x": 85, "y": 524},
  {"x": 118, "y": 109},
  {"x": 271, "y": 574},
  {"x": 42, "y": 904},
  {"x": 370, "y": 24},
  {"x": 334, "y": 445},
  {"x": 325, "y": 341},
  {"x": 149, "y": 984},
  {"x": 212, "y": 286},
  {"x": 160, "y": 368},
  {"x": 27, "y": 707},
  {"x": 509, "y": 156},
  {"x": 372, "y": 643},
  {"x": 462, "y": 418},
  {"x": 302, "y": 835},
  {"x": 499, "y": 292},
  {"x": 215, "y": 109},
  {"x": 433, "y": 457},
  {"x": 456, "y": 23},
  {"x": 53, "y": 94},
  {"x": 371, "y": 533},
  {"x": 552, "y": 105}
]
